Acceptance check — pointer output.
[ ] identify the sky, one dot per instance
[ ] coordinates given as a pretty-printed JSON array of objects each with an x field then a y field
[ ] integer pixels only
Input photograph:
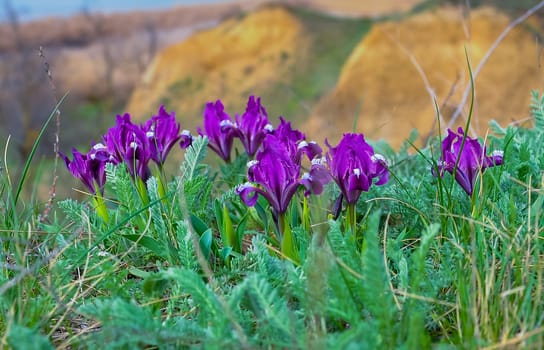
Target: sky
[{"x": 34, "y": 9}]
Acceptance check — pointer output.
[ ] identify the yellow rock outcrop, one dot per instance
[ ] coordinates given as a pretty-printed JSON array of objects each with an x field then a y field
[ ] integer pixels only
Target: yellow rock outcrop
[
  {"x": 230, "y": 61},
  {"x": 381, "y": 86}
]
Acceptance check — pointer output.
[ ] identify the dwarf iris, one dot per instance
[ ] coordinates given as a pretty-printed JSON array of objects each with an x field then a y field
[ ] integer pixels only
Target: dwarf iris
[
  {"x": 90, "y": 168},
  {"x": 163, "y": 132},
  {"x": 276, "y": 176},
  {"x": 354, "y": 166},
  {"x": 129, "y": 143},
  {"x": 252, "y": 127},
  {"x": 219, "y": 128},
  {"x": 465, "y": 160}
]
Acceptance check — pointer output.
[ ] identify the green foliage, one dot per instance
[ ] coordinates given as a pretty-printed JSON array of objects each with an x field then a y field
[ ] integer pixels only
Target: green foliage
[
  {"x": 195, "y": 181},
  {"x": 20, "y": 337},
  {"x": 191, "y": 166},
  {"x": 376, "y": 292},
  {"x": 275, "y": 325},
  {"x": 188, "y": 265},
  {"x": 346, "y": 278},
  {"x": 537, "y": 109},
  {"x": 118, "y": 180},
  {"x": 125, "y": 324},
  {"x": 26, "y": 167}
]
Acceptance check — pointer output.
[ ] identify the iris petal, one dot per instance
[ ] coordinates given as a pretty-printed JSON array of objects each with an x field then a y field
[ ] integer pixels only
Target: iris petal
[
  {"x": 471, "y": 159},
  {"x": 253, "y": 126},
  {"x": 220, "y": 138},
  {"x": 354, "y": 165}
]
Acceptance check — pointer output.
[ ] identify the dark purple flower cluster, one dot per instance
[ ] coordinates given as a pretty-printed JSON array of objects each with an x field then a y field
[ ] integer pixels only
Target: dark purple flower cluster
[
  {"x": 134, "y": 144},
  {"x": 354, "y": 166},
  {"x": 251, "y": 128},
  {"x": 465, "y": 161},
  {"x": 276, "y": 171}
]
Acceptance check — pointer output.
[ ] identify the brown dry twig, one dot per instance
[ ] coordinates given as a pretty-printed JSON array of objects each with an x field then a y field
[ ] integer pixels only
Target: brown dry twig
[{"x": 53, "y": 188}]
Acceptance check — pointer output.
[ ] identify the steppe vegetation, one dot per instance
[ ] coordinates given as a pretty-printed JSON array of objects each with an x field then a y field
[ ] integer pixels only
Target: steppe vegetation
[{"x": 262, "y": 238}]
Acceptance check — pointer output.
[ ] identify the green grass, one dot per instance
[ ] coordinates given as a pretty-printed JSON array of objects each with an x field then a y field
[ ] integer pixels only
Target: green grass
[{"x": 427, "y": 271}]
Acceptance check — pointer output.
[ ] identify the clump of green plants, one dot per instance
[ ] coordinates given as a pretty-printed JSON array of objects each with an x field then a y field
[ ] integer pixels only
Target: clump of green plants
[{"x": 285, "y": 244}]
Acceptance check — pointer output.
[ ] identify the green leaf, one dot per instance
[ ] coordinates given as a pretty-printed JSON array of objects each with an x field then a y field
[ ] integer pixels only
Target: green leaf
[
  {"x": 348, "y": 270},
  {"x": 127, "y": 325},
  {"x": 23, "y": 338},
  {"x": 205, "y": 242},
  {"x": 378, "y": 297},
  {"x": 154, "y": 285},
  {"x": 138, "y": 273},
  {"x": 190, "y": 282},
  {"x": 146, "y": 242},
  {"x": 537, "y": 109},
  {"x": 34, "y": 149},
  {"x": 225, "y": 253},
  {"x": 186, "y": 246},
  {"x": 225, "y": 226},
  {"x": 199, "y": 226},
  {"x": 119, "y": 180},
  {"x": 193, "y": 156},
  {"x": 198, "y": 192},
  {"x": 496, "y": 128},
  {"x": 261, "y": 213},
  {"x": 273, "y": 315},
  {"x": 240, "y": 231}
]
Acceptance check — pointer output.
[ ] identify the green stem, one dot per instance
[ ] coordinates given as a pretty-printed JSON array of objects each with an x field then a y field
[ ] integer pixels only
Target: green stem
[
  {"x": 161, "y": 189},
  {"x": 306, "y": 217},
  {"x": 287, "y": 241},
  {"x": 142, "y": 190},
  {"x": 100, "y": 205},
  {"x": 351, "y": 224},
  {"x": 231, "y": 239}
]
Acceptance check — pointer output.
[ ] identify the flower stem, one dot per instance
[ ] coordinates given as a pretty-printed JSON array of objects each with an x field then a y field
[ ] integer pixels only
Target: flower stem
[
  {"x": 351, "y": 219},
  {"x": 100, "y": 205},
  {"x": 161, "y": 187},
  {"x": 287, "y": 242},
  {"x": 230, "y": 238},
  {"x": 306, "y": 217},
  {"x": 142, "y": 190}
]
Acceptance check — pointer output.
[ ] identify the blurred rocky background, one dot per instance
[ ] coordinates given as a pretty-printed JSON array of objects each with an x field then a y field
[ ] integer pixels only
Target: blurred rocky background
[{"x": 376, "y": 67}]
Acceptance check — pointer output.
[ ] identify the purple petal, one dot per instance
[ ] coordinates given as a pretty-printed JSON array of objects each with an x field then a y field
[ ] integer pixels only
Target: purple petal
[
  {"x": 253, "y": 126},
  {"x": 129, "y": 143},
  {"x": 162, "y": 132},
  {"x": 89, "y": 168},
  {"x": 381, "y": 172},
  {"x": 217, "y": 127},
  {"x": 471, "y": 160},
  {"x": 248, "y": 193},
  {"x": 354, "y": 165},
  {"x": 186, "y": 139}
]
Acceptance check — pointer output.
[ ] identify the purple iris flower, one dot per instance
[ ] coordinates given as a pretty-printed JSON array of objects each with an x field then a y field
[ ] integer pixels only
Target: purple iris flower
[
  {"x": 277, "y": 177},
  {"x": 129, "y": 143},
  {"x": 253, "y": 126},
  {"x": 295, "y": 142},
  {"x": 354, "y": 166},
  {"x": 472, "y": 159},
  {"x": 90, "y": 168},
  {"x": 186, "y": 139},
  {"x": 162, "y": 132},
  {"x": 219, "y": 129}
]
